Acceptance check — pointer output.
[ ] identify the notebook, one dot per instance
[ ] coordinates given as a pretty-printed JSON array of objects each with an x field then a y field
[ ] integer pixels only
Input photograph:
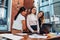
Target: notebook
[
  {"x": 37, "y": 36},
  {"x": 11, "y": 36}
]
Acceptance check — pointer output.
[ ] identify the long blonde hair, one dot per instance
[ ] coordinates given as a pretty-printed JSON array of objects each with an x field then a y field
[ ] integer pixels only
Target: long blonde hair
[{"x": 42, "y": 17}]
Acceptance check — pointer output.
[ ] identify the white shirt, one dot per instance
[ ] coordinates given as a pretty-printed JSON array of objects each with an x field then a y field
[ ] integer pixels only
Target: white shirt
[
  {"x": 32, "y": 20},
  {"x": 18, "y": 22}
]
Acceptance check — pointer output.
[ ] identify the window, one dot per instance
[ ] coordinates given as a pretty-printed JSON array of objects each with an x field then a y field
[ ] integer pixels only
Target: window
[
  {"x": 57, "y": 12},
  {"x": 53, "y": 9},
  {"x": 47, "y": 15},
  {"x": 57, "y": 8},
  {"x": 1, "y": 2},
  {"x": 44, "y": 0},
  {"x": 3, "y": 14}
]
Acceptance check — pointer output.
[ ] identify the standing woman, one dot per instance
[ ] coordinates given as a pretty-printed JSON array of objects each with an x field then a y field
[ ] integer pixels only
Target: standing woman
[
  {"x": 32, "y": 21},
  {"x": 41, "y": 21},
  {"x": 43, "y": 29},
  {"x": 19, "y": 21}
]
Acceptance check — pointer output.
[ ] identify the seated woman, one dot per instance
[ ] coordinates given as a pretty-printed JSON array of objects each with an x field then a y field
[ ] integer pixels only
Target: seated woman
[
  {"x": 43, "y": 28},
  {"x": 19, "y": 22},
  {"x": 32, "y": 21}
]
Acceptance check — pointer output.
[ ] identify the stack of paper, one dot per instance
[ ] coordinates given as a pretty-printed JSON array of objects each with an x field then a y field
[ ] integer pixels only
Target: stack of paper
[
  {"x": 11, "y": 36},
  {"x": 37, "y": 36},
  {"x": 21, "y": 33}
]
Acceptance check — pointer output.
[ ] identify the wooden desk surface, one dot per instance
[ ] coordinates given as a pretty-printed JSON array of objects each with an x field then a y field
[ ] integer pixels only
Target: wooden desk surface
[{"x": 26, "y": 37}]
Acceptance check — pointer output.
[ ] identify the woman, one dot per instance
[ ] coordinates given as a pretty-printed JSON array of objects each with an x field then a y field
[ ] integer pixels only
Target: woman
[
  {"x": 20, "y": 24},
  {"x": 43, "y": 28},
  {"x": 32, "y": 21},
  {"x": 41, "y": 18}
]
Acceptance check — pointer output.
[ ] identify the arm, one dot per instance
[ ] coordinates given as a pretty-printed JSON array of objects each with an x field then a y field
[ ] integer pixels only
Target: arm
[
  {"x": 28, "y": 25},
  {"x": 24, "y": 25},
  {"x": 38, "y": 28}
]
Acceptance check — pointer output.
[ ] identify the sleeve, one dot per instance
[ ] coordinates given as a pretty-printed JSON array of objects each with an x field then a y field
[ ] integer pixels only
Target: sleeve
[
  {"x": 18, "y": 18},
  {"x": 28, "y": 25},
  {"x": 38, "y": 28},
  {"x": 22, "y": 18}
]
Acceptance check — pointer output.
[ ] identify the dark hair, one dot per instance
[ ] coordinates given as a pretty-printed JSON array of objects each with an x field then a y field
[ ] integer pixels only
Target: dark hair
[
  {"x": 20, "y": 11},
  {"x": 42, "y": 13},
  {"x": 31, "y": 9}
]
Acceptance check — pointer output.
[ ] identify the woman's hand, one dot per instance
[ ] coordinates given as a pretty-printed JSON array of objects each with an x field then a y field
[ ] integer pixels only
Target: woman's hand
[{"x": 36, "y": 32}]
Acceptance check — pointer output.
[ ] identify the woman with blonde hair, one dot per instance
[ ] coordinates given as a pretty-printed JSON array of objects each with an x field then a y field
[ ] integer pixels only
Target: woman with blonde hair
[
  {"x": 41, "y": 17},
  {"x": 43, "y": 28}
]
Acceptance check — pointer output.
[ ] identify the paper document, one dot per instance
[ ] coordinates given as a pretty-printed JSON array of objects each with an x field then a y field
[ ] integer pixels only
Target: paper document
[
  {"x": 11, "y": 36},
  {"x": 37, "y": 36},
  {"x": 21, "y": 33}
]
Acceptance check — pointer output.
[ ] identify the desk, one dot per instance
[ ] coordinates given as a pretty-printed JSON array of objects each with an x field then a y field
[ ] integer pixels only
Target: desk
[{"x": 26, "y": 37}]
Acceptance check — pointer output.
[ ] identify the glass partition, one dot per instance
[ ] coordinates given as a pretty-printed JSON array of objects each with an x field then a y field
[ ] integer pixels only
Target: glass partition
[
  {"x": 3, "y": 15},
  {"x": 51, "y": 10}
]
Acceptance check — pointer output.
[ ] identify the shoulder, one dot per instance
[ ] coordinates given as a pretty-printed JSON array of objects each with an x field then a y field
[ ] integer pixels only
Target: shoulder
[{"x": 21, "y": 17}]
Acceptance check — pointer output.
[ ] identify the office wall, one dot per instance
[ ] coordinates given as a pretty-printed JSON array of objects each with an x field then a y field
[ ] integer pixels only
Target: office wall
[{"x": 28, "y": 3}]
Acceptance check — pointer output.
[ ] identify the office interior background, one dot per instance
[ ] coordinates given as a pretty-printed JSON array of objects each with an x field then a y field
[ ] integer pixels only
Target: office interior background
[{"x": 9, "y": 8}]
